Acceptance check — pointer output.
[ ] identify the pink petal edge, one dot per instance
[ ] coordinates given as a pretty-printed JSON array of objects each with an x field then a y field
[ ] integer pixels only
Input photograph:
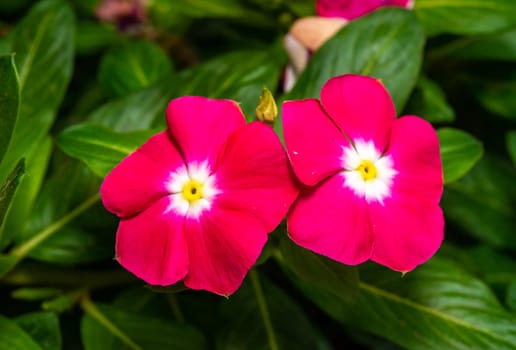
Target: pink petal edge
[
  {"x": 360, "y": 106},
  {"x": 223, "y": 245}
]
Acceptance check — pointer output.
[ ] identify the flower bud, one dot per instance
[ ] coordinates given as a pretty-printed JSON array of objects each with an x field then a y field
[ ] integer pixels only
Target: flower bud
[{"x": 266, "y": 111}]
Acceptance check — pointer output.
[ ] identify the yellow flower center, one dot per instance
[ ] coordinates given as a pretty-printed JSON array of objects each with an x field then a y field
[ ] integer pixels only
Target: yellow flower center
[
  {"x": 368, "y": 170},
  {"x": 192, "y": 190}
]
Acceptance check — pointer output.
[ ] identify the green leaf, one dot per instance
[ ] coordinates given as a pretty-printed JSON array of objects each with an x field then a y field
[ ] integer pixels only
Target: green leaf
[
  {"x": 12, "y": 337},
  {"x": 43, "y": 327},
  {"x": 9, "y": 101},
  {"x": 147, "y": 332},
  {"x": 8, "y": 189},
  {"x": 498, "y": 46},
  {"x": 465, "y": 16},
  {"x": 428, "y": 101},
  {"x": 239, "y": 76},
  {"x": 387, "y": 44},
  {"x": 99, "y": 147},
  {"x": 437, "y": 306},
  {"x": 318, "y": 270},
  {"x": 92, "y": 36},
  {"x": 136, "y": 111},
  {"x": 7, "y": 263},
  {"x": 511, "y": 145},
  {"x": 43, "y": 43},
  {"x": 36, "y": 165},
  {"x": 169, "y": 14},
  {"x": 459, "y": 152},
  {"x": 132, "y": 66},
  {"x": 482, "y": 203},
  {"x": 498, "y": 97},
  {"x": 242, "y": 324}
]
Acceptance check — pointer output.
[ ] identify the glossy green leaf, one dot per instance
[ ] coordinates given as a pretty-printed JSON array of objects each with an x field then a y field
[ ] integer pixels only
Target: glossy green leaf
[
  {"x": 43, "y": 327},
  {"x": 465, "y": 16},
  {"x": 43, "y": 42},
  {"x": 136, "y": 111},
  {"x": 386, "y": 44},
  {"x": 511, "y": 145},
  {"x": 429, "y": 102},
  {"x": 147, "y": 332},
  {"x": 482, "y": 203},
  {"x": 437, "y": 306},
  {"x": 9, "y": 101},
  {"x": 12, "y": 337},
  {"x": 243, "y": 326},
  {"x": 9, "y": 188},
  {"x": 132, "y": 66},
  {"x": 100, "y": 148},
  {"x": 459, "y": 152},
  {"x": 316, "y": 269}
]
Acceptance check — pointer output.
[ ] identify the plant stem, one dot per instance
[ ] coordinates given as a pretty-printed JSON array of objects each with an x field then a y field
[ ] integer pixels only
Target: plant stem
[
  {"x": 22, "y": 250},
  {"x": 264, "y": 311},
  {"x": 37, "y": 274},
  {"x": 176, "y": 310},
  {"x": 91, "y": 309}
]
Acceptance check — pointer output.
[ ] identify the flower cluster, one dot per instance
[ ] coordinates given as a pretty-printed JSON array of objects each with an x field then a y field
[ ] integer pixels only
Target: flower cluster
[{"x": 197, "y": 201}]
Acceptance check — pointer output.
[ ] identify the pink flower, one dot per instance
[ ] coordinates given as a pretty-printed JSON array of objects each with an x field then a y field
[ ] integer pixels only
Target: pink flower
[
  {"x": 351, "y": 9},
  {"x": 373, "y": 181},
  {"x": 197, "y": 201}
]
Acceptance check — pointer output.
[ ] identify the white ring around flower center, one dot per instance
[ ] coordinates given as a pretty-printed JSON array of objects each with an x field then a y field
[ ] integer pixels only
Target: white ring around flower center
[
  {"x": 187, "y": 177},
  {"x": 353, "y": 159}
]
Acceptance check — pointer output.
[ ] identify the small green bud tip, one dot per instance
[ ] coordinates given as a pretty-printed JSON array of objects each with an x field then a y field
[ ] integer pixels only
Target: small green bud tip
[{"x": 266, "y": 111}]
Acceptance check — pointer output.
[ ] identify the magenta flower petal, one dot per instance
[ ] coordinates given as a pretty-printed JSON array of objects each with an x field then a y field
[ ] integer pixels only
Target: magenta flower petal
[
  {"x": 200, "y": 126},
  {"x": 407, "y": 233},
  {"x": 223, "y": 246},
  {"x": 409, "y": 226},
  {"x": 351, "y": 9},
  {"x": 331, "y": 220},
  {"x": 152, "y": 245},
  {"x": 360, "y": 106},
  {"x": 256, "y": 177},
  {"x": 304, "y": 126},
  {"x": 414, "y": 147},
  {"x": 140, "y": 179}
]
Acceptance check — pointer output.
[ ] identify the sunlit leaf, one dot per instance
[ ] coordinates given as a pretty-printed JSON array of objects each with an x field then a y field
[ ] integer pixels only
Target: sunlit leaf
[{"x": 12, "y": 337}]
